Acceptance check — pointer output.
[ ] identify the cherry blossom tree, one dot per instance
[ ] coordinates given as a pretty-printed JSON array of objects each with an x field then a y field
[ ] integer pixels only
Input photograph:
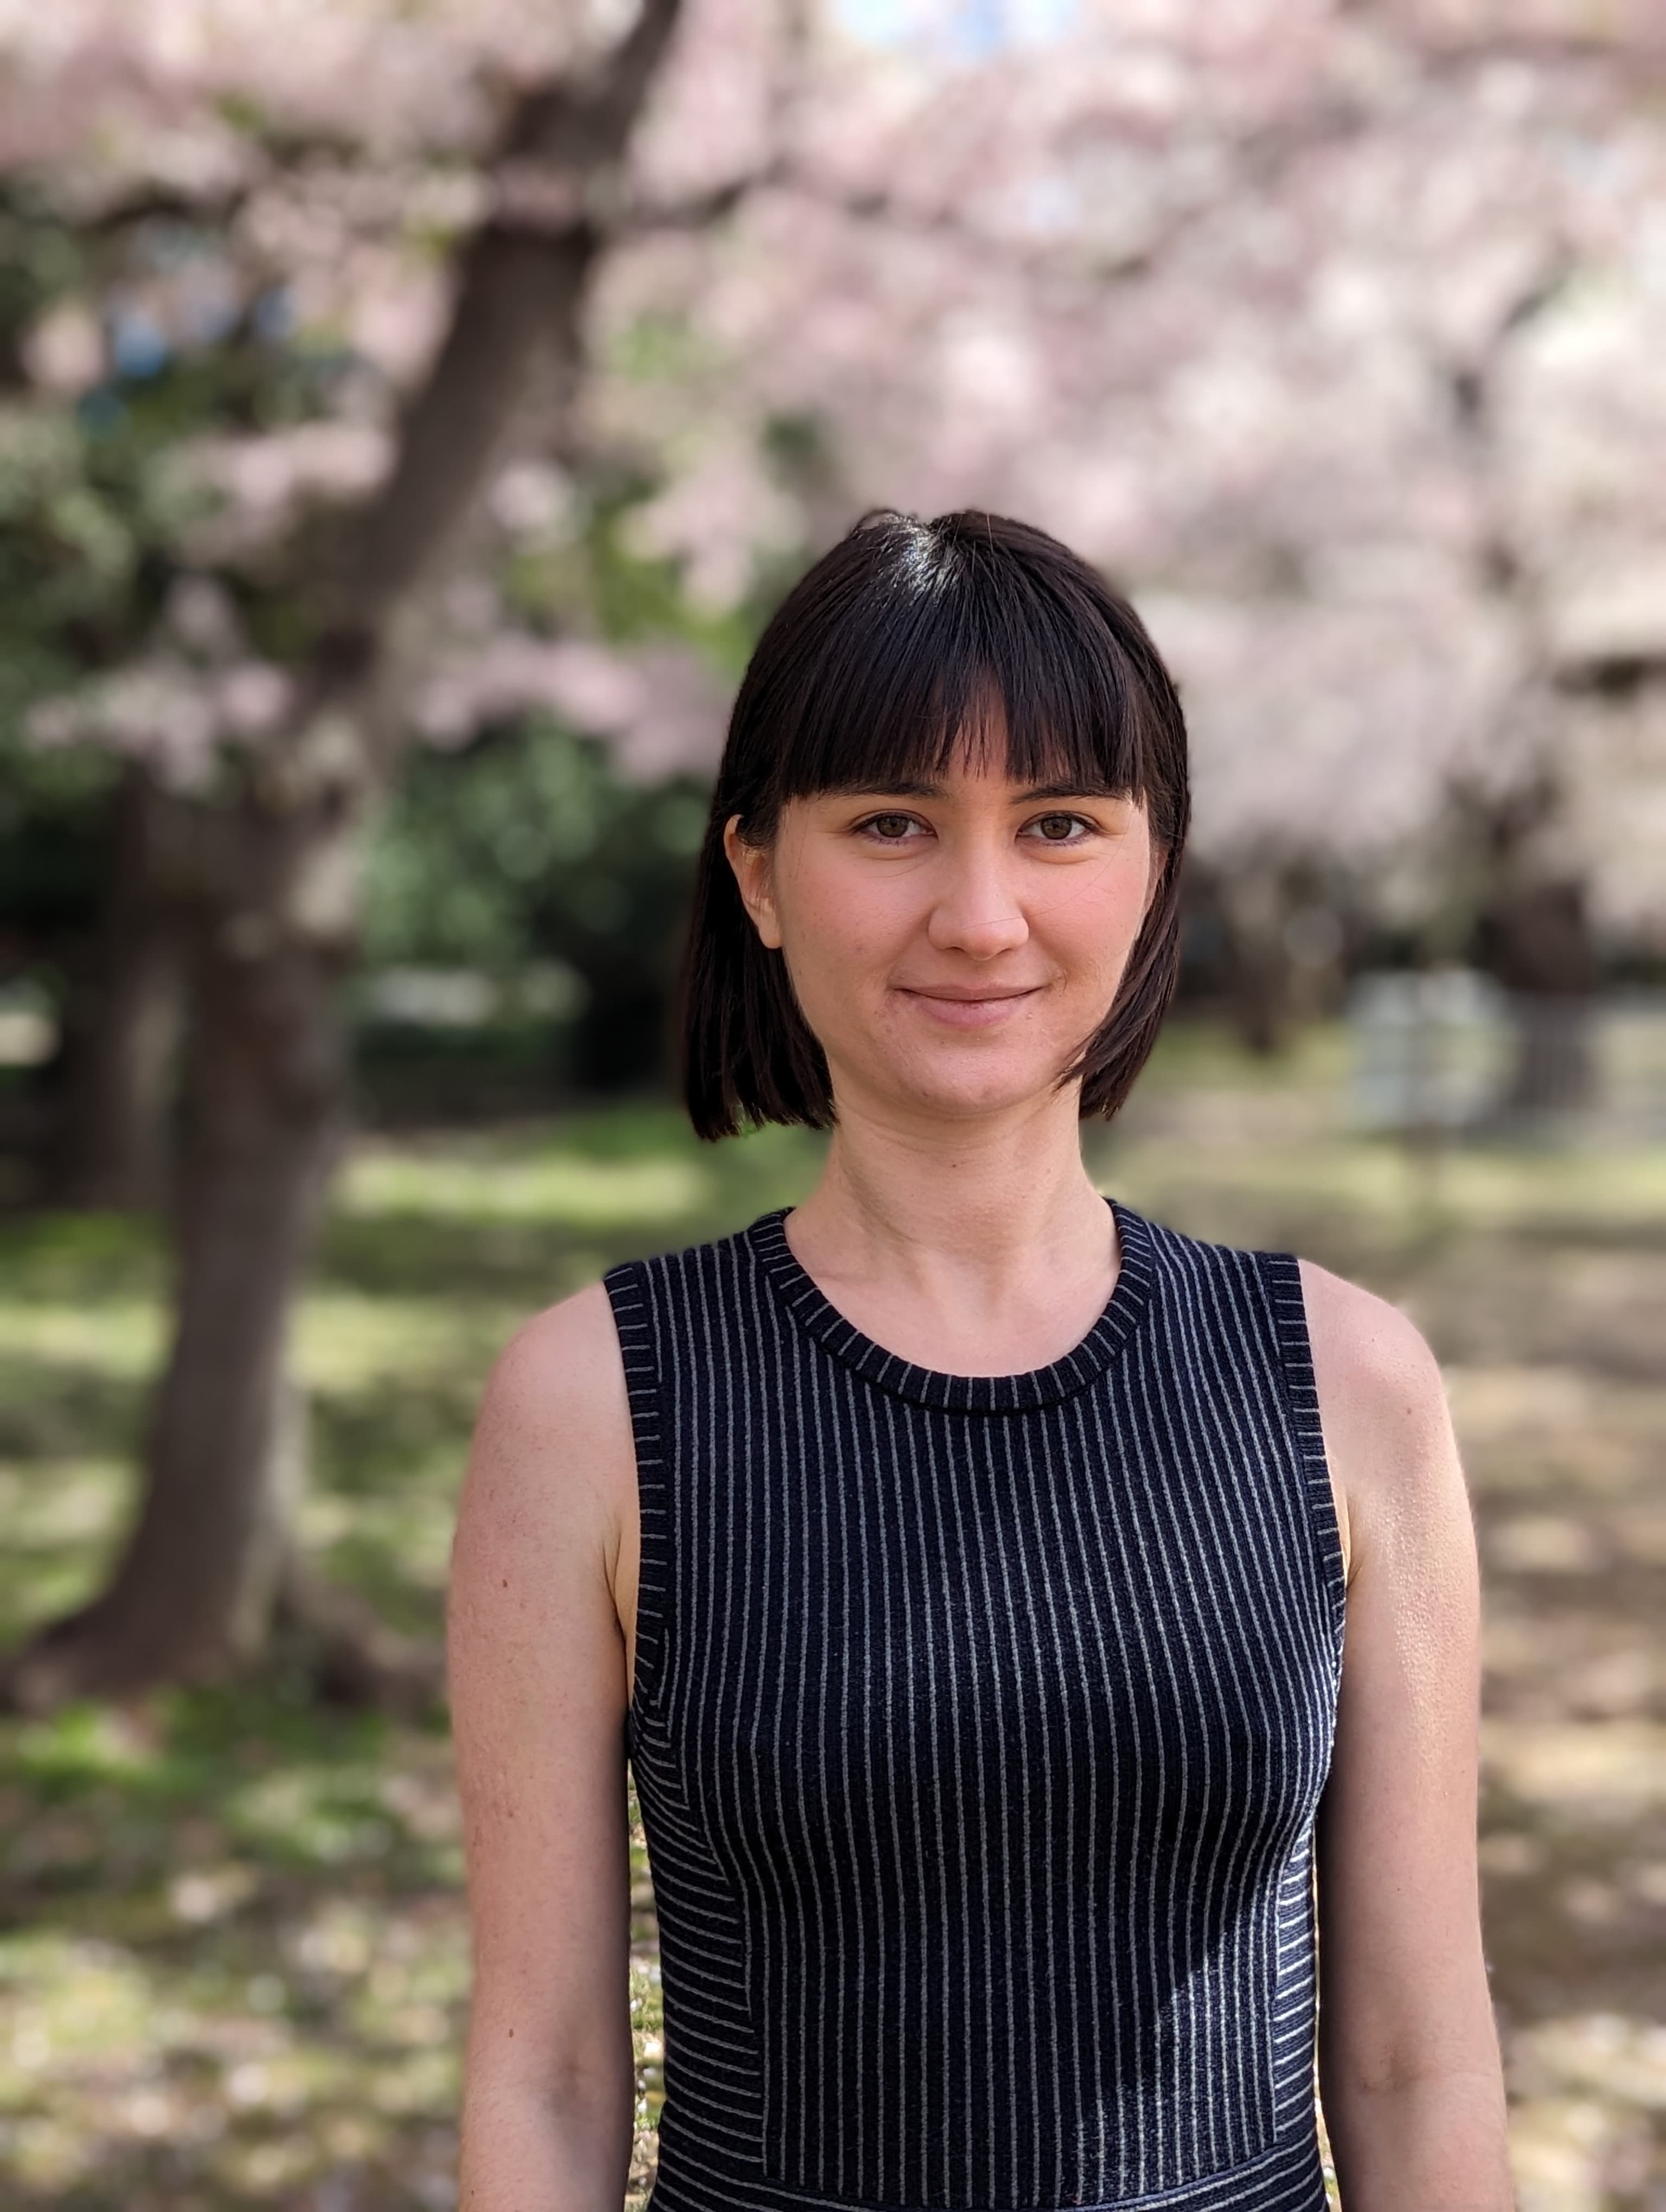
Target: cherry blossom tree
[{"x": 223, "y": 163}]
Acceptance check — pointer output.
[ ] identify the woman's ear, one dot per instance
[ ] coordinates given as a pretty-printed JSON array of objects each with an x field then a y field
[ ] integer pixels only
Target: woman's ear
[
  {"x": 750, "y": 863},
  {"x": 1156, "y": 869}
]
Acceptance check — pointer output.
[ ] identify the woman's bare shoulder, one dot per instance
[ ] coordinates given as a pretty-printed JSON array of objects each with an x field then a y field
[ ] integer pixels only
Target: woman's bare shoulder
[
  {"x": 563, "y": 1361},
  {"x": 1364, "y": 1341},
  {"x": 552, "y": 1440},
  {"x": 1382, "y": 1405}
]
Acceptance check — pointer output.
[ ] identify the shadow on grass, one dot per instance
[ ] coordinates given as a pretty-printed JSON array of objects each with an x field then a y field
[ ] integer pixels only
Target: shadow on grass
[{"x": 62, "y": 1407}]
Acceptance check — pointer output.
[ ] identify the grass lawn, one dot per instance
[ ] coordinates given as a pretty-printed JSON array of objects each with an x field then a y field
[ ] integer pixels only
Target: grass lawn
[{"x": 233, "y": 1961}]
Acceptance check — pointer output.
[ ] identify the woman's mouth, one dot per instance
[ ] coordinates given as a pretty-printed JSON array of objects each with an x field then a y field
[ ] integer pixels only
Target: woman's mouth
[{"x": 968, "y": 1005}]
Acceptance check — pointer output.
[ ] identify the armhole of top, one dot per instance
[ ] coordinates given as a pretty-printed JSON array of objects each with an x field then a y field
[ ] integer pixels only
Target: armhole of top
[
  {"x": 626, "y": 1289},
  {"x": 1281, "y": 1274}
]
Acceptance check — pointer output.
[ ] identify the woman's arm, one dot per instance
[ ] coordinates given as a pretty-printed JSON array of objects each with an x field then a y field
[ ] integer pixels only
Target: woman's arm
[
  {"x": 1409, "y": 2055},
  {"x": 539, "y": 1689}
]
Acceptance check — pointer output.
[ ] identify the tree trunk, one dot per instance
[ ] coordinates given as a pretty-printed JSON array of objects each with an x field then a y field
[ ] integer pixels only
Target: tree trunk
[
  {"x": 194, "y": 1587},
  {"x": 109, "y": 1142},
  {"x": 1253, "y": 908},
  {"x": 1535, "y": 939},
  {"x": 267, "y": 887},
  {"x": 1554, "y": 1068}
]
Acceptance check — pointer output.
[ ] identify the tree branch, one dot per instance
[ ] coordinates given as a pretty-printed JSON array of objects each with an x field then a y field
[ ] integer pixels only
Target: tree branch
[
  {"x": 523, "y": 278},
  {"x": 699, "y": 210}
]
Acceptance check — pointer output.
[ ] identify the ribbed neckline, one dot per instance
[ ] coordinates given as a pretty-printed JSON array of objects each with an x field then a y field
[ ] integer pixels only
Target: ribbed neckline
[{"x": 967, "y": 1393}]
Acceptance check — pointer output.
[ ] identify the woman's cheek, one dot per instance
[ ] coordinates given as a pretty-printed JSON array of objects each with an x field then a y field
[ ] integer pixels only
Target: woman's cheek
[
  {"x": 850, "y": 925},
  {"x": 1093, "y": 927}
]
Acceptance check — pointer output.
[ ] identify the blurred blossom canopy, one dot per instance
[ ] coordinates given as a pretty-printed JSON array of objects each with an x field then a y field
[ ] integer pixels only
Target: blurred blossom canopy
[{"x": 911, "y": 643}]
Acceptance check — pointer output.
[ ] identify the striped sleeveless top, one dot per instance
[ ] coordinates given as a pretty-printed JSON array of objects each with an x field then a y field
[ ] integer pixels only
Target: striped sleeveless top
[{"x": 978, "y": 1727}]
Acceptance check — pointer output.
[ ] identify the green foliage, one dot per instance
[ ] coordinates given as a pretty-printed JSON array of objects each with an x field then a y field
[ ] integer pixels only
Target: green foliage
[
  {"x": 91, "y": 506},
  {"x": 69, "y": 553},
  {"x": 593, "y": 580},
  {"x": 531, "y": 846},
  {"x": 635, "y": 598},
  {"x": 53, "y": 843},
  {"x": 86, "y": 526}
]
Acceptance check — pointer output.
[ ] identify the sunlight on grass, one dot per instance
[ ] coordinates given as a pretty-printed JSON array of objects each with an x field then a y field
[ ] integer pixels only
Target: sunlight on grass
[
  {"x": 1200, "y": 1055},
  {"x": 345, "y": 1342},
  {"x": 565, "y": 1188},
  {"x": 120, "y": 1336},
  {"x": 1387, "y": 1188}
]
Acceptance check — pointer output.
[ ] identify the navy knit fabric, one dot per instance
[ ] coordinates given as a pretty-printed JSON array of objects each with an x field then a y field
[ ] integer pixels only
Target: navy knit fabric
[{"x": 978, "y": 1727}]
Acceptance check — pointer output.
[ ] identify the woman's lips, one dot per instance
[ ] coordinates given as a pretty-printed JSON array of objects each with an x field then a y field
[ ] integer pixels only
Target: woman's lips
[{"x": 970, "y": 1008}]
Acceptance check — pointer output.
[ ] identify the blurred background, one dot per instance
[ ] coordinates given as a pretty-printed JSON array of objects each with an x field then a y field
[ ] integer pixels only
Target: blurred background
[{"x": 409, "y": 412}]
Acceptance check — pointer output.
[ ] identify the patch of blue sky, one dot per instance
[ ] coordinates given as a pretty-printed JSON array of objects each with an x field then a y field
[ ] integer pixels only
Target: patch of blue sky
[
  {"x": 138, "y": 344},
  {"x": 973, "y": 28}
]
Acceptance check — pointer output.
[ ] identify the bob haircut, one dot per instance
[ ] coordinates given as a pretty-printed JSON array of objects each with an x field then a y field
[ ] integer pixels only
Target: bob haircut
[{"x": 909, "y": 641}]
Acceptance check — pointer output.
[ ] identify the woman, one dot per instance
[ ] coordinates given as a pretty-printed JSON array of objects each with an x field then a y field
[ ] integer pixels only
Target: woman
[{"x": 961, "y": 1558}]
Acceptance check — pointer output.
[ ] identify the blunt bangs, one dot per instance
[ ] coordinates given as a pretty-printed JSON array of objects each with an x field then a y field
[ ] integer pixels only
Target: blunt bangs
[
  {"x": 942, "y": 644},
  {"x": 908, "y": 645}
]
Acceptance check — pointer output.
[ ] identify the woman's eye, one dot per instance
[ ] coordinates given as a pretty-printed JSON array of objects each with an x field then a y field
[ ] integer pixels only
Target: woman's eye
[
  {"x": 1060, "y": 829},
  {"x": 890, "y": 829}
]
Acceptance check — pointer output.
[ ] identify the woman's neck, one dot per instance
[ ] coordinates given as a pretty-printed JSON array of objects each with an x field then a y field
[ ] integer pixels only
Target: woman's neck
[{"x": 980, "y": 1247}]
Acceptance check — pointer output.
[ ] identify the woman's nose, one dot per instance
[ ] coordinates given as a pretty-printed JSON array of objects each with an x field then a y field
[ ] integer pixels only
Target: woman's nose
[{"x": 977, "y": 911}]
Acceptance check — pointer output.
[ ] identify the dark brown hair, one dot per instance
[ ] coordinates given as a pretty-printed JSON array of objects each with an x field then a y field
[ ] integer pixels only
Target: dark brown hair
[{"x": 898, "y": 646}]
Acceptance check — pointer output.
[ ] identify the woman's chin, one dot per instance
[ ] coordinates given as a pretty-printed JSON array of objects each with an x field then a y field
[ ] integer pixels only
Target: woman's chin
[{"x": 966, "y": 1086}]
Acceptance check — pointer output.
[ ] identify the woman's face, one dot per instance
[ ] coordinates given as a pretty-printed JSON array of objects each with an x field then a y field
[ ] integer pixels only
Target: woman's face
[{"x": 953, "y": 943}]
